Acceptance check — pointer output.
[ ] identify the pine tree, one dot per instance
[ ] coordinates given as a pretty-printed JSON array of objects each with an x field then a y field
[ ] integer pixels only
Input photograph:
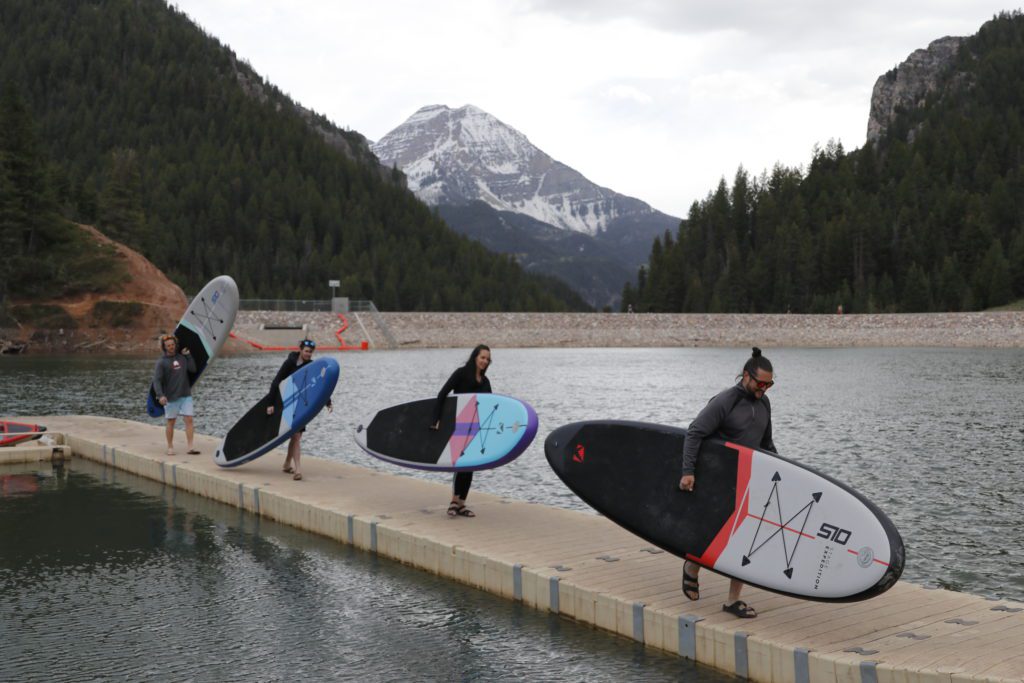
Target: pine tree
[
  {"x": 25, "y": 207},
  {"x": 120, "y": 212},
  {"x": 916, "y": 291}
]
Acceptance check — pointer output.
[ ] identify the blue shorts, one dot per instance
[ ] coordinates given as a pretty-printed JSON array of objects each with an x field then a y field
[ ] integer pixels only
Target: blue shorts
[{"x": 180, "y": 406}]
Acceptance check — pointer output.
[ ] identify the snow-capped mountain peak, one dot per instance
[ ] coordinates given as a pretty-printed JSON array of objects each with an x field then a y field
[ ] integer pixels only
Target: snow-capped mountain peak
[{"x": 456, "y": 156}]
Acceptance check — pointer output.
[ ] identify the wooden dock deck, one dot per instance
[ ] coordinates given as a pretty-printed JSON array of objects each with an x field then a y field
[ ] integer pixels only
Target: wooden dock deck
[{"x": 582, "y": 566}]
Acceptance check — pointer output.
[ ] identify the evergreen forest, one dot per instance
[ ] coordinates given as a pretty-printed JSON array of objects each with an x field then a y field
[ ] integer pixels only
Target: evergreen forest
[
  {"x": 125, "y": 115},
  {"x": 930, "y": 217}
]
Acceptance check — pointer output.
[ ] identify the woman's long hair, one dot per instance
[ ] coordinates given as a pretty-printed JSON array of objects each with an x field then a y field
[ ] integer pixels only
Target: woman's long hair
[{"x": 471, "y": 363}]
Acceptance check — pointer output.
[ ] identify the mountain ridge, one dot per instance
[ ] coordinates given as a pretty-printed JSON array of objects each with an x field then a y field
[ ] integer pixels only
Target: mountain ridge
[
  {"x": 908, "y": 84},
  {"x": 499, "y": 165},
  {"x": 456, "y": 157}
]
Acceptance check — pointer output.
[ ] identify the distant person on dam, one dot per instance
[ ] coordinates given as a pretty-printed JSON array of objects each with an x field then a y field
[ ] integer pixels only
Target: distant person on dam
[
  {"x": 741, "y": 414},
  {"x": 294, "y": 361},
  {"x": 471, "y": 378},
  {"x": 173, "y": 391}
]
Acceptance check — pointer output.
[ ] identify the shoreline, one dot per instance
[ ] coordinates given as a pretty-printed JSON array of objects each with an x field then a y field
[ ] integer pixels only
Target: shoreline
[{"x": 994, "y": 329}]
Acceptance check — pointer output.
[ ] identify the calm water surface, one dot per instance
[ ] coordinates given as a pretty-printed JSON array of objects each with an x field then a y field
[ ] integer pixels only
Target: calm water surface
[
  {"x": 933, "y": 436},
  {"x": 107, "y": 576}
]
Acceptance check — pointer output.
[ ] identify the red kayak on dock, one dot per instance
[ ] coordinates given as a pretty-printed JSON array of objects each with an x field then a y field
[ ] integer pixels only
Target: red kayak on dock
[{"x": 16, "y": 432}]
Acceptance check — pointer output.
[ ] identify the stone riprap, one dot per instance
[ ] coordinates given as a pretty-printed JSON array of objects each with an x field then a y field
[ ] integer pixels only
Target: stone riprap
[
  {"x": 1004, "y": 329},
  {"x": 446, "y": 330}
]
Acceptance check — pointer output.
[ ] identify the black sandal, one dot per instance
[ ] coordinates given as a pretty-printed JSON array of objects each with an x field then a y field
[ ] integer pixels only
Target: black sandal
[
  {"x": 691, "y": 586},
  {"x": 453, "y": 509},
  {"x": 465, "y": 512},
  {"x": 740, "y": 609}
]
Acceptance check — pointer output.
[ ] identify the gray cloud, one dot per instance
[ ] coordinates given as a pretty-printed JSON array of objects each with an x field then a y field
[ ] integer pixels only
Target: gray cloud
[{"x": 787, "y": 25}]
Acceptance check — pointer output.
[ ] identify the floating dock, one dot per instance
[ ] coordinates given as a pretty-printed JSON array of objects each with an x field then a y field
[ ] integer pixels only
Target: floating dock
[{"x": 581, "y": 566}]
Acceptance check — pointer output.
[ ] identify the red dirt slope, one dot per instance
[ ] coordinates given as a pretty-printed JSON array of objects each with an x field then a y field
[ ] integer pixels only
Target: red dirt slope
[{"x": 129, "y": 317}]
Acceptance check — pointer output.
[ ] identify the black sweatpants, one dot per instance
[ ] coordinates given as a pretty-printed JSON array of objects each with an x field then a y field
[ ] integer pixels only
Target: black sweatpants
[{"x": 461, "y": 484}]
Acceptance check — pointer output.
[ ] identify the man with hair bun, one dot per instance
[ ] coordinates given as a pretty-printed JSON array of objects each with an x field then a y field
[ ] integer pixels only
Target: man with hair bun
[{"x": 741, "y": 414}]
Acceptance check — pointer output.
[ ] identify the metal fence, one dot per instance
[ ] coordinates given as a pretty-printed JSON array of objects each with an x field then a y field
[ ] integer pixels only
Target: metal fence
[
  {"x": 310, "y": 305},
  {"x": 315, "y": 305},
  {"x": 361, "y": 306}
]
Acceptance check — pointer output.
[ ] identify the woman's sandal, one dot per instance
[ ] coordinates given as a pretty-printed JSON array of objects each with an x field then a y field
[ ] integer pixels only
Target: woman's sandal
[
  {"x": 297, "y": 476},
  {"x": 691, "y": 586},
  {"x": 193, "y": 451},
  {"x": 465, "y": 512},
  {"x": 453, "y": 509},
  {"x": 287, "y": 470},
  {"x": 740, "y": 609}
]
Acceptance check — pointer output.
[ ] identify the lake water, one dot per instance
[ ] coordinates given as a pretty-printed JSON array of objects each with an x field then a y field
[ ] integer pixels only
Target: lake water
[
  {"x": 933, "y": 436},
  {"x": 108, "y": 576}
]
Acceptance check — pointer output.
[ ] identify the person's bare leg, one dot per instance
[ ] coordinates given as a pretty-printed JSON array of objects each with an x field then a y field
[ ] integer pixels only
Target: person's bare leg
[
  {"x": 295, "y": 452},
  {"x": 189, "y": 431},
  {"x": 735, "y": 586},
  {"x": 169, "y": 430}
]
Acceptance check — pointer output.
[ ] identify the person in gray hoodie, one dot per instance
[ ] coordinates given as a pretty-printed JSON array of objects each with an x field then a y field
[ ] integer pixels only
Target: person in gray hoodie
[
  {"x": 741, "y": 414},
  {"x": 174, "y": 390}
]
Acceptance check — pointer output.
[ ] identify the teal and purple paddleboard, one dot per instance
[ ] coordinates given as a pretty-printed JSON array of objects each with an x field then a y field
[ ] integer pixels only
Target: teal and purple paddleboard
[{"x": 476, "y": 432}]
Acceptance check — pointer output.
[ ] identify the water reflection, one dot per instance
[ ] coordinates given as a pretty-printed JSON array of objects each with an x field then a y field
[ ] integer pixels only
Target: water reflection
[
  {"x": 109, "y": 576},
  {"x": 19, "y": 484}
]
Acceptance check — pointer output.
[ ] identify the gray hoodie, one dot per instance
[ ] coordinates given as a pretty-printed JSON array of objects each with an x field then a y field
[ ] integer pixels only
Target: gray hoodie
[
  {"x": 734, "y": 415},
  {"x": 170, "y": 376}
]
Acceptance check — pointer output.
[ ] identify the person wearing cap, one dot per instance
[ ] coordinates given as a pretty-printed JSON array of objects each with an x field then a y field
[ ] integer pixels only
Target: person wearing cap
[
  {"x": 173, "y": 390},
  {"x": 294, "y": 361}
]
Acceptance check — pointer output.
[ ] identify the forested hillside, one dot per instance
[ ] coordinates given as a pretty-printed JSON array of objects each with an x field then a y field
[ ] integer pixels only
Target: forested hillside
[
  {"x": 930, "y": 218},
  {"x": 41, "y": 254},
  {"x": 159, "y": 135}
]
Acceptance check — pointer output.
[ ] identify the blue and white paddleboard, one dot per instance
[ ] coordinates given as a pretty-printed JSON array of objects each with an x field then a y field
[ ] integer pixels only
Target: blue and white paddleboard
[
  {"x": 298, "y": 400},
  {"x": 203, "y": 329},
  {"x": 476, "y": 432}
]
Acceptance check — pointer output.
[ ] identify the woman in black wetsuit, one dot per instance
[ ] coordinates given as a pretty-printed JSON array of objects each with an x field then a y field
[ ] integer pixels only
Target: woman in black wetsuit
[
  {"x": 294, "y": 361},
  {"x": 471, "y": 378}
]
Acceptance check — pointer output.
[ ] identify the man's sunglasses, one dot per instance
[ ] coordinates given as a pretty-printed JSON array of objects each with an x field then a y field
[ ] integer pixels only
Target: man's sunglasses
[{"x": 761, "y": 385}]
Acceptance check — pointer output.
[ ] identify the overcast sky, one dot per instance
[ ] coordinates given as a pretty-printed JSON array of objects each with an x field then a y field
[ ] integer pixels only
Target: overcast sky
[{"x": 657, "y": 99}]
